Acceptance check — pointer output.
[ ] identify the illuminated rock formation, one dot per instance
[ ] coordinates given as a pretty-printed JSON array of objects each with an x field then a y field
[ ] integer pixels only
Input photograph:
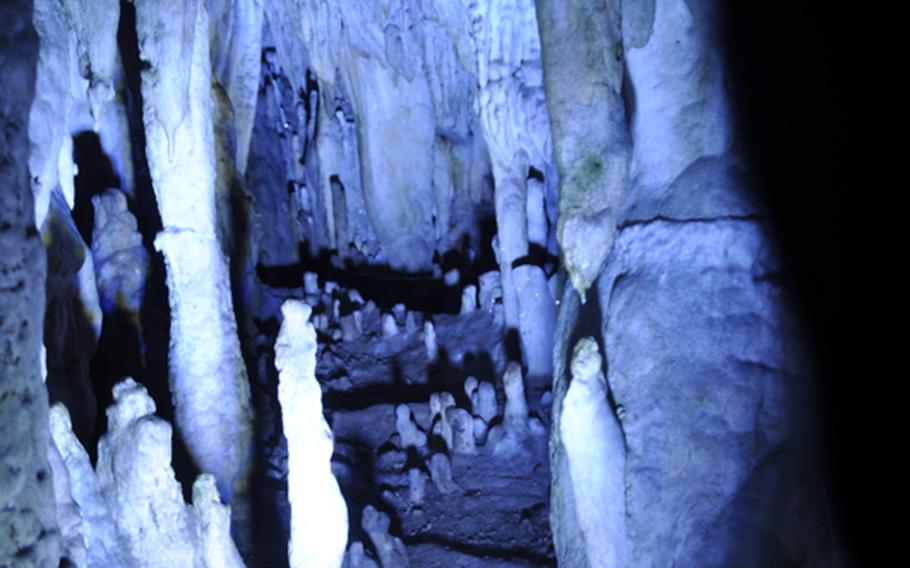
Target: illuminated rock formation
[
  {"x": 319, "y": 516},
  {"x": 208, "y": 378}
]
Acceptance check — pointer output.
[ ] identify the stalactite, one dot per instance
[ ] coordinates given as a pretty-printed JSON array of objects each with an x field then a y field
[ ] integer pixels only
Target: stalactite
[
  {"x": 208, "y": 378},
  {"x": 516, "y": 128},
  {"x": 583, "y": 71}
]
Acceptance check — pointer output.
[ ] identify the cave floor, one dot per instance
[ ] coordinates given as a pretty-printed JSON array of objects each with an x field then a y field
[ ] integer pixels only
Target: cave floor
[{"x": 495, "y": 511}]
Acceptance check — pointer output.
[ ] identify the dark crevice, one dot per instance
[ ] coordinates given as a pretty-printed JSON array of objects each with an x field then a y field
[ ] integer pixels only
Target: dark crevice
[{"x": 753, "y": 217}]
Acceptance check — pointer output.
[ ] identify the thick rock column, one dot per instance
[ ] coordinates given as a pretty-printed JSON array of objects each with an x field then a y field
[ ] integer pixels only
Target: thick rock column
[
  {"x": 516, "y": 127},
  {"x": 583, "y": 73},
  {"x": 208, "y": 379},
  {"x": 319, "y": 516},
  {"x": 28, "y": 524}
]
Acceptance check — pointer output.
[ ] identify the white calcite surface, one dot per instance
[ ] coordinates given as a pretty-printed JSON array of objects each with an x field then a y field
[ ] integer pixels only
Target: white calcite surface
[
  {"x": 516, "y": 128},
  {"x": 69, "y": 517},
  {"x": 681, "y": 107},
  {"x": 595, "y": 449},
  {"x": 119, "y": 257},
  {"x": 208, "y": 379},
  {"x": 213, "y": 523},
  {"x": 97, "y": 529},
  {"x": 391, "y": 551},
  {"x": 319, "y": 516},
  {"x": 236, "y": 34},
  {"x": 138, "y": 484},
  {"x": 141, "y": 498}
]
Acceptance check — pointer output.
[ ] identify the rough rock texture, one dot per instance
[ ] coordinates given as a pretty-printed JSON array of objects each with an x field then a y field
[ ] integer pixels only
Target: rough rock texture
[
  {"x": 157, "y": 528},
  {"x": 319, "y": 516},
  {"x": 215, "y": 548},
  {"x": 76, "y": 68},
  {"x": 98, "y": 530},
  {"x": 121, "y": 261},
  {"x": 208, "y": 379},
  {"x": 28, "y": 525},
  {"x": 138, "y": 484},
  {"x": 73, "y": 317},
  {"x": 69, "y": 518},
  {"x": 583, "y": 75},
  {"x": 704, "y": 364}
]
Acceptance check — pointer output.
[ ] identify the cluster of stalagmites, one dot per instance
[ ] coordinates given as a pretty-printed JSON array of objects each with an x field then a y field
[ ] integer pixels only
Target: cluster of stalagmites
[
  {"x": 330, "y": 313},
  {"x": 129, "y": 510}
]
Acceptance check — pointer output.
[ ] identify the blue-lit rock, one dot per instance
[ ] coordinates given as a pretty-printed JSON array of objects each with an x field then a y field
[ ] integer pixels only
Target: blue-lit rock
[
  {"x": 97, "y": 527},
  {"x": 28, "y": 526},
  {"x": 319, "y": 516},
  {"x": 208, "y": 379}
]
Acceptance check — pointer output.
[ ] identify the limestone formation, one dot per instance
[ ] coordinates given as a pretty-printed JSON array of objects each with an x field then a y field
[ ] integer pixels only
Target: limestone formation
[
  {"x": 138, "y": 484},
  {"x": 581, "y": 47},
  {"x": 213, "y": 519},
  {"x": 119, "y": 256},
  {"x": 469, "y": 299},
  {"x": 595, "y": 449},
  {"x": 440, "y": 403},
  {"x": 69, "y": 517},
  {"x": 429, "y": 340},
  {"x": 208, "y": 379},
  {"x": 28, "y": 526},
  {"x": 392, "y": 552},
  {"x": 411, "y": 435},
  {"x": 319, "y": 516},
  {"x": 461, "y": 424},
  {"x": 97, "y": 529}
]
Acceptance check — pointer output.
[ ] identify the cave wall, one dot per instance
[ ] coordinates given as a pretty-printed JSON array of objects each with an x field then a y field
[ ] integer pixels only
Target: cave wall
[
  {"x": 641, "y": 291},
  {"x": 30, "y": 534}
]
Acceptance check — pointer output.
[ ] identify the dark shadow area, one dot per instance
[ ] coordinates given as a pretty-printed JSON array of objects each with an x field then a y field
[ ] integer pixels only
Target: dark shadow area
[
  {"x": 96, "y": 174},
  {"x": 782, "y": 76},
  {"x": 381, "y": 284}
]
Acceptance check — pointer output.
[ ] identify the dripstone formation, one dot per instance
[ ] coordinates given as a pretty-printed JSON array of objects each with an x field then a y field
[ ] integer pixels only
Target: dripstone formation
[{"x": 386, "y": 283}]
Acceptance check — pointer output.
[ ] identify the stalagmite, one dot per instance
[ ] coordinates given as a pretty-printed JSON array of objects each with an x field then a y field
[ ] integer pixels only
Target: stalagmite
[
  {"x": 440, "y": 402},
  {"x": 389, "y": 327},
  {"x": 441, "y": 473},
  {"x": 98, "y": 529},
  {"x": 119, "y": 257},
  {"x": 208, "y": 378},
  {"x": 69, "y": 517},
  {"x": 429, "y": 340},
  {"x": 357, "y": 557},
  {"x": 513, "y": 113},
  {"x": 214, "y": 525},
  {"x": 28, "y": 527},
  {"x": 461, "y": 424},
  {"x": 515, "y": 416},
  {"x": 469, "y": 299},
  {"x": 596, "y": 454},
  {"x": 392, "y": 552},
  {"x": 138, "y": 484},
  {"x": 411, "y": 435},
  {"x": 319, "y": 517}
]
